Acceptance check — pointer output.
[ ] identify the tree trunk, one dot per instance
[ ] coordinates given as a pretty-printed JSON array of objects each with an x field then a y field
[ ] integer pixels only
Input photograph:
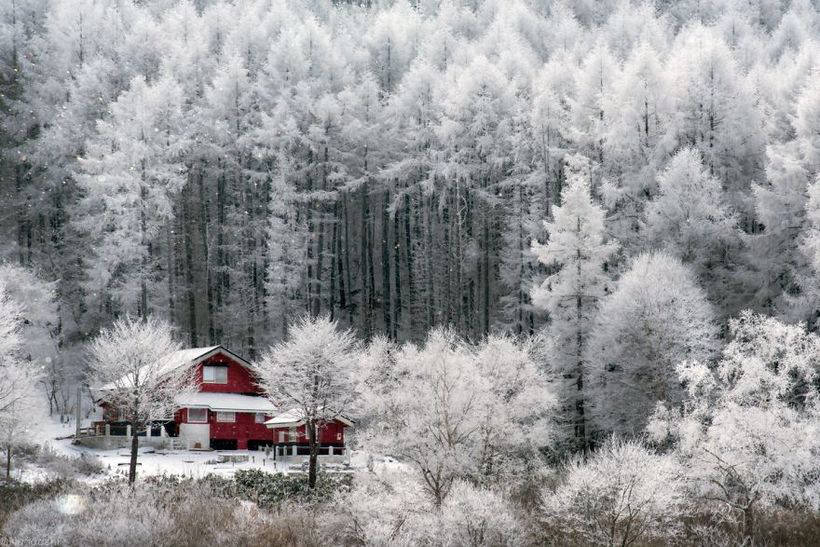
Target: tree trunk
[
  {"x": 135, "y": 443},
  {"x": 8, "y": 461},
  {"x": 314, "y": 453},
  {"x": 385, "y": 245}
]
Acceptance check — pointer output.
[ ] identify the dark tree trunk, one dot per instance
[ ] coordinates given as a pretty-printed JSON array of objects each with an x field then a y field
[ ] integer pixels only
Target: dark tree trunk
[
  {"x": 313, "y": 442},
  {"x": 385, "y": 244},
  {"x": 135, "y": 444}
]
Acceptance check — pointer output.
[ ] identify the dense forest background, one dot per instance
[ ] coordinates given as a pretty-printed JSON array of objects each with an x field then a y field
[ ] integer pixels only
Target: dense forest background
[{"x": 232, "y": 165}]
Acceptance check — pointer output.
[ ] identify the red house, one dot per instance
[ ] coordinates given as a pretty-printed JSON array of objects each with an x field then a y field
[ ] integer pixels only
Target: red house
[
  {"x": 228, "y": 411},
  {"x": 290, "y": 437}
]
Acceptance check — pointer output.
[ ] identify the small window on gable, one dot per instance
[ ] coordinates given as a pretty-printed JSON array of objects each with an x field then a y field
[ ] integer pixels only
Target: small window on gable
[
  {"x": 260, "y": 417},
  {"x": 197, "y": 415},
  {"x": 212, "y": 374},
  {"x": 225, "y": 416}
]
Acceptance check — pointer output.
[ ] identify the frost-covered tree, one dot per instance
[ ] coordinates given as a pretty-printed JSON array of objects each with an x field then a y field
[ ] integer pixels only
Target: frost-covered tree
[
  {"x": 747, "y": 433},
  {"x": 133, "y": 372},
  {"x": 130, "y": 175},
  {"x": 691, "y": 220},
  {"x": 21, "y": 406},
  {"x": 40, "y": 325},
  {"x": 11, "y": 323},
  {"x": 572, "y": 295},
  {"x": 454, "y": 412},
  {"x": 656, "y": 317},
  {"x": 20, "y": 401},
  {"x": 311, "y": 372},
  {"x": 622, "y": 495},
  {"x": 714, "y": 110}
]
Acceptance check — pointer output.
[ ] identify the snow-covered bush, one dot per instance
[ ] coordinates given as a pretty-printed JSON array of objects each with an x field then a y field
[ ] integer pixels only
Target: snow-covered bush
[
  {"x": 162, "y": 511},
  {"x": 624, "y": 494},
  {"x": 749, "y": 432},
  {"x": 389, "y": 508},
  {"x": 121, "y": 518},
  {"x": 478, "y": 516},
  {"x": 393, "y": 508}
]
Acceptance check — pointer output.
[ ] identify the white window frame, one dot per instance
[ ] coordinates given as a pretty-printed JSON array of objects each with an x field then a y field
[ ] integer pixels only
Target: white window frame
[
  {"x": 192, "y": 421},
  {"x": 260, "y": 417},
  {"x": 213, "y": 377},
  {"x": 222, "y": 417}
]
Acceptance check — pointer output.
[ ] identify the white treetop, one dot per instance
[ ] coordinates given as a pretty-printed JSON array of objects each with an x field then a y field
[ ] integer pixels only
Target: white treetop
[
  {"x": 133, "y": 370},
  {"x": 657, "y": 317},
  {"x": 311, "y": 371}
]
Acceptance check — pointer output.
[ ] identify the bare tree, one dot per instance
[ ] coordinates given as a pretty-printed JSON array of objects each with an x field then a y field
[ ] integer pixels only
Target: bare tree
[
  {"x": 311, "y": 372},
  {"x": 133, "y": 368}
]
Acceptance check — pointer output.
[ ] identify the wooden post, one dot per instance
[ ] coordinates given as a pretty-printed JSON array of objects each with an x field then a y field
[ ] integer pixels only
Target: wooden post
[{"x": 78, "y": 413}]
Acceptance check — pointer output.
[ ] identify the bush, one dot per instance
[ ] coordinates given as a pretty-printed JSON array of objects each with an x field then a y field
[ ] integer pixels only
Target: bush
[
  {"x": 394, "y": 508},
  {"x": 623, "y": 495},
  {"x": 269, "y": 490},
  {"x": 388, "y": 508},
  {"x": 477, "y": 516},
  {"x": 45, "y": 457},
  {"x": 164, "y": 511},
  {"x": 14, "y": 495}
]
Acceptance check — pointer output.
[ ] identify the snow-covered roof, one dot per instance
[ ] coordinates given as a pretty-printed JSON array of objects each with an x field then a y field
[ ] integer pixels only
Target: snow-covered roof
[
  {"x": 174, "y": 361},
  {"x": 225, "y": 402},
  {"x": 295, "y": 417}
]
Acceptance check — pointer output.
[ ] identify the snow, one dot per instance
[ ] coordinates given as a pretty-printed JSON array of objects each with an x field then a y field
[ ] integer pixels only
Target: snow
[
  {"x": 295, "y": 417},
  {"x": 227, "y": 402},
  {"x": 157, "y": 462}
]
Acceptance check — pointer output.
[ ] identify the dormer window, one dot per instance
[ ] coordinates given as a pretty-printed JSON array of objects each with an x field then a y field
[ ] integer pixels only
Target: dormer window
[{"x": 215, "y": 374}]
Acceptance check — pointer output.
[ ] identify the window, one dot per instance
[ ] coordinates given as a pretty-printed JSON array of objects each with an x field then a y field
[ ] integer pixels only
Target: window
[
  {"x": 214, "y": 374},
  {"x": 226, "y": 416},
  {"x": 281, "y": 436},
  {"x": 197, "y": 415},
  {"x": 260, "y": 417},
  {"x": 293, "y": 435}
]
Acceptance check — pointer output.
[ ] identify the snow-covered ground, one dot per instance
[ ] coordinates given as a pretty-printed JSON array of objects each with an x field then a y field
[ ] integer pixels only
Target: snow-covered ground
[{"x": 195, "y": 464}]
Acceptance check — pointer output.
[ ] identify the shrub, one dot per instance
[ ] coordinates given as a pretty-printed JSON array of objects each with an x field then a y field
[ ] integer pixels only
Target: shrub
[
  {"x": 14, "y": 495},
  {"x": 624, "y": 494},
  {"x": 164, "y": 511},
  {"x": 477, "y": 516},
  {"x": 388, "y": 508},
  {"x": 270, "y": 490}
]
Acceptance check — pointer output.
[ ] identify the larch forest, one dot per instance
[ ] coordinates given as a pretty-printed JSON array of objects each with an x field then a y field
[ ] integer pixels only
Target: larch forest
[{"x": 533, "y": 246}]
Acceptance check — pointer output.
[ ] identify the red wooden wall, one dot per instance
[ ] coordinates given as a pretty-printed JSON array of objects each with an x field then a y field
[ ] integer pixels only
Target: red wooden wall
[
  {"x": 240, "y": 379},
  {"x": 329, "y": 434}
]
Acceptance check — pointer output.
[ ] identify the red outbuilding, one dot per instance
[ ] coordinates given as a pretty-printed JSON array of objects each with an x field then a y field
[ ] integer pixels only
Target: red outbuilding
[{"x": 290, "y": 436}]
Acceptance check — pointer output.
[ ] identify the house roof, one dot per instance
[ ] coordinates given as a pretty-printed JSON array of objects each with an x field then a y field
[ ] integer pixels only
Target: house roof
[
  {"x": 225, "y": 402},
  {"x": 295, "y": 417},
  {"x": 176, "y": 360}
]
